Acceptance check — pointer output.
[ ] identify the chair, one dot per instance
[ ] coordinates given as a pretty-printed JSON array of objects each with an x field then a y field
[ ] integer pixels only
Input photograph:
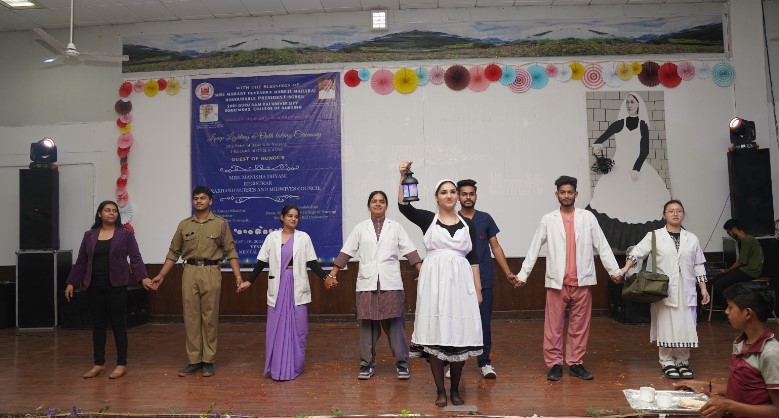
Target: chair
[
  {"x": 710, "y": 306},
  {"x": 765, "y": 281}
]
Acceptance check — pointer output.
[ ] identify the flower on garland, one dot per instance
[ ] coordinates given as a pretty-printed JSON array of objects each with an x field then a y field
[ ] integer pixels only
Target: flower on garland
[
  {"x": 610, "y": 76},
  {"x": 702, "y": 70},
  {"x": 668, "y": 74},
  {"x": 723, "y": 74},
  {"x": 686, "y": 70},
  {"x": 351, "y": 78},
  {"x": 522, "y": 82},
  {"x": 565, "y": 74},
  {"x": 636, "y": 67},
  {"x": 126, "y": 118},
  {"x": 593, "y": 76},
  {"x": 437, "y": 75},
  {"x": 151, "y": 88},
  {"x": 162, "y": 84},
  {"x": 479, "y": 81},
  {"x": 126, "y": 129},
  {"x": 423, "y": 75},
  {"x": 508, "y": 75},
  {"x": 125, "y": 140},
  {"x": 121, "y": 107},
  {"x": 405, "y": 80},
  {"x": 577, "y": 70},
  {"x": 648, "y": 75},
  {"x": 493, "y": 72},
  {"x": 457, "y": 77},
  {"x": 123, "y": 152},
  {"x": 624, "y": 71},
  {"x": 538, "y": 76},
  {"x": 121, "y": 182},
  {"x": 138, "y": 86},
  {"x": 174, "y": 85},
  {"x": 120, "y": 123},
  {"x": 125, "y": 89},
  {"x": 552, "y": 70},
  {"x": 365, "y": 74},
  {"x": 381, "y": 81}
]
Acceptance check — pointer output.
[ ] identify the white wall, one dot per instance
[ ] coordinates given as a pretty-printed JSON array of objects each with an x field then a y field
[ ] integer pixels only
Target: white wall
[{"x": 514, "y": 145}]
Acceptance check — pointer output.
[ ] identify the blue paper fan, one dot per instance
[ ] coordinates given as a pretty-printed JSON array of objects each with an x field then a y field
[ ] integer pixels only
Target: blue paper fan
[
  {"x": 723, "y": 74},
  {"x": 539, "y": 76},
  {"x": 508, "y": 76},
  {"x": 423, "y": 74},
  {"x": 364, "y": 74}
]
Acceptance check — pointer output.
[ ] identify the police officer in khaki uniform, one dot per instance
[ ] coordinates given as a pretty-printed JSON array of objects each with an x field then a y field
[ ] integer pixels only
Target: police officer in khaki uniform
[{"x": 202, "y": 241}]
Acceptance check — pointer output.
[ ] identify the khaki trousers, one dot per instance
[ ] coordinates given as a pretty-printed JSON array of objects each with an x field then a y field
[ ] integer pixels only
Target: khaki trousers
[{"x": 200, "y": 290}]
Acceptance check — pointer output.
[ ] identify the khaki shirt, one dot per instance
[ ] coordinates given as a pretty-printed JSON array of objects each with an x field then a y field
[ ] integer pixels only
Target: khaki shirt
[{"x": 209, "y": 240}]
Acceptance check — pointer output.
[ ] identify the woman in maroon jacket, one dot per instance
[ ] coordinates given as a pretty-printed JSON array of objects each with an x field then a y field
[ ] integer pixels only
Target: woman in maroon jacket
[{"x": 103, "y": 269}]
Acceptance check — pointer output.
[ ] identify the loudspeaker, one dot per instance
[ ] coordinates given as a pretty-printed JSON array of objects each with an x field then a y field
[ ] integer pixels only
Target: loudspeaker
[
  {"x": 7, "y": 304},
  {"x": 36, "y": 286},
  {"x": 625, "y": 311},
  {"x": 751, "y": 197},
  {"x": 38, "y": 209}
]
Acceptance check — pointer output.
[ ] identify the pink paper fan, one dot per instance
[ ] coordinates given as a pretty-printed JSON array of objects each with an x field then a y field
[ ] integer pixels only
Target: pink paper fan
[
  {"x": 686, "y": 70},
  {"x": 138, "y": 86},
  {"x": 479, "y": 81},
  {"x": 122, "y": 200},
  {"x": 381, "y": 82},
  {"x": 126, "y": 118},
  {"x": 125, "y": 140},
  {"x": 593, "y": 76},
  {"x": 523, "y": 81},
  {"x": 437, "y": 75},
  {"x": 121, "y": 191},
  {"x": 552, "y": 70}
]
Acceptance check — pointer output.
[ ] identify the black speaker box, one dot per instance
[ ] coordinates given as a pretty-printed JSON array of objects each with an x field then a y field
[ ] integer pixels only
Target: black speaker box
[
  {"x": 751, "y": 197},
  {"x": 39, "y": 209},
  {"x": 625, "y": 311},
  {"x": 7, "y": 304},
  {"x": 37, "y": 274}
]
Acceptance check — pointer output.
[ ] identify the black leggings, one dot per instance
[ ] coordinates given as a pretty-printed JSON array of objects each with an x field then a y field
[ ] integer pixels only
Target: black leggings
[{"x": 108, "y": 304}]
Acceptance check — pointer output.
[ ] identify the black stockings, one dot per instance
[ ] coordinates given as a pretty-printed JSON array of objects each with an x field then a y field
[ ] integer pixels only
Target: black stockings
[{"x": 456, "y": 369}]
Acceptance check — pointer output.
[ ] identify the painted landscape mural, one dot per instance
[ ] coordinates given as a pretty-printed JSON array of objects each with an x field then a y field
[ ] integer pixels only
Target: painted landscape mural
[{"x": 460, "y": 40}]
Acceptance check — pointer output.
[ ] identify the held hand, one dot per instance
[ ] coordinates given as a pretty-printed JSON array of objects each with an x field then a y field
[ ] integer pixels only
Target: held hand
[
  {"x": 716, "y": 407},
  {"x": 147, "y": 284},
  {"x": 157, "y": 281},
  {"x": 618, "y": 278},
  {"x": 512, "y": 278},
  {"x": 330, "y": 283},
  {"x": 597, "y": 148},
  {"x": 243, "y": 286},
  {"x": 69, "y": 292},
  {"x": 404, "y": 166},
  {"x": 519, "y": 283},
  {"x": 238, "y": 281},
  {"x": 634, "y": 175}
]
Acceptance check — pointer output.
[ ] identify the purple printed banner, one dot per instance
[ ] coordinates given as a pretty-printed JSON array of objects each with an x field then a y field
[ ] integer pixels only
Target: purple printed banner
[{"x": 264, "y": 142}]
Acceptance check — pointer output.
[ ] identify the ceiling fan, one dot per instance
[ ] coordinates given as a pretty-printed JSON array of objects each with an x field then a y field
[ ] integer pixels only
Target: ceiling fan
[{"x": 70, "y": 51}]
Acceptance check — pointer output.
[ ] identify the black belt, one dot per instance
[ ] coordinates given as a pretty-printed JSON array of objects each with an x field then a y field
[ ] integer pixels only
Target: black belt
[{"x": 201, "y": 262}]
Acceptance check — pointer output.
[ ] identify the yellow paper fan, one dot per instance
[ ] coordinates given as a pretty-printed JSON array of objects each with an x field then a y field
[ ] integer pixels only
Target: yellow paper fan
[
  {"x": 405, "y": 80},
  {"x": 174, "y": 85},
  {"x": 577, "y": 70},
  {"x": 624, "y": 71},
  {"x": 151, "y": 88},
  {"x": 636, "y": 67}
]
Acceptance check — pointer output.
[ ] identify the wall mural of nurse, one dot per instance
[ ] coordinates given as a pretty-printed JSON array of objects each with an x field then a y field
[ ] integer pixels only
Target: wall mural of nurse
[{"x": 629, "y": 129}]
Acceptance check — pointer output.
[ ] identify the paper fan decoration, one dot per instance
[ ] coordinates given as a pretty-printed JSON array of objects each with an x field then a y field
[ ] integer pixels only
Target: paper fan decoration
[
  {"x": 123, "y": 152},
  {"x": 151, "y": 88},
  {"x": 365, "y": 74},
  {"x": 577, "y": 70},
  {"x": 125, "y": 140},
  {"x": 437, "y": 75},
  {"x": 479, "y": 81},
  {"x": 121, "y": 107},
  {"x": 648, "y": 75},
  {"x": 552, "y": 70},
  {"x": 610, "y": 76},
  {"x": 723, "y": 74},
  {"x": 174, "y": 86},
  {"x": 125, "y": 89},
  {"x": 120, "y": 123},
  {"x": 624, "y": 71},
  {"x": 121, "y": 191},
  {"x": 351, "y": 78},
  {"x": 522, "y": 82},
  {"x": 121, "y": 181},
  {"x": 493, "y": 72},
  {"x": 405, "y": 80},
  {"x": 126, "y": 118},
  {"x": 565, "y": 73},
  {"x": 636, "y": 67},
  {"x": 381, "y": 81},
  {"x": 668, "y": 74},
  {"x": 122, "y": 200},
  {"x": 538, "y": 76},
  {"x": 509, "y": 74},
  {"x": 126, "y": 128},
  {"x": 423, "y": 75},
  {"x": 127, "y": 213},
  {"x": 686, "y": 70},
  {"x": 457, "y": 77},
  {"x": 162, "y": 84},
  {"x": 702, "y": 70},
  {"x": 138, "y": 86},
  {"x": 124, "y": 169},
  {"x": 593, "y": 76}
]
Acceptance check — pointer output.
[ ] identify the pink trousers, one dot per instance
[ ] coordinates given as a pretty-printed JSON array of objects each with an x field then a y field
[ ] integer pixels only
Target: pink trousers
[{"x": 579, "y": 298}]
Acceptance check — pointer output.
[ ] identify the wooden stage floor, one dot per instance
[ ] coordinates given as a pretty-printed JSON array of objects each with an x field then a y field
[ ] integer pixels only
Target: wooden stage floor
[{"x": 42, "y": 369}]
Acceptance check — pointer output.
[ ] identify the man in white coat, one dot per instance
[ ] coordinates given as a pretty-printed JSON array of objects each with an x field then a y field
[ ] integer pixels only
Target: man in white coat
[{"x": 571, "y": 234}]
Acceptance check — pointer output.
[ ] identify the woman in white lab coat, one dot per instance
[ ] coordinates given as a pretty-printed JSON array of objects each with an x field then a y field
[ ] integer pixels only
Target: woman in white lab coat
[{"x": 680, "y": 257}]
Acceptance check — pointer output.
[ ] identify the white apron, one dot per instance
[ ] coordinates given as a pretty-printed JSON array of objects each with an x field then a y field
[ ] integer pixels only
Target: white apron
[{"x": 447, "y": 312}]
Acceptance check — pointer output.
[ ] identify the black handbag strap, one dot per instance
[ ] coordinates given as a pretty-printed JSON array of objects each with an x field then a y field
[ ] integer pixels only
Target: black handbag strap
[{"x": 654, "y": 253}]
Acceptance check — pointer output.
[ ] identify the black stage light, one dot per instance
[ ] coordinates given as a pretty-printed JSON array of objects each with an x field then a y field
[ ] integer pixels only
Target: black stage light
[
  {"x": 43, "y": 153},
  {"x": 742, "y": 132}
]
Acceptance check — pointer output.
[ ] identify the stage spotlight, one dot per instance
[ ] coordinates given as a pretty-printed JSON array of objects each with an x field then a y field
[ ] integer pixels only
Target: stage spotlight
[
  {"x": 43, "y": 153},
  {"x": 742, "y": 133}
]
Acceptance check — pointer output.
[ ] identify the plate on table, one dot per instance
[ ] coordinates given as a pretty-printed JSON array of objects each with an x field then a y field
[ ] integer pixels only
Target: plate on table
[{"x": 682, "y": 402}]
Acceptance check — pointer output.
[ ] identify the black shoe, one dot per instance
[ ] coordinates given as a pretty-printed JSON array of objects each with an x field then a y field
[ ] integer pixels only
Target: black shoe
[
  {"x": 403, "y": 372},
  {"x": 366, "y": 372},
  {"x": 555, "y": 373},
  {"x": 579, "y": 371},
  {"x": 190, "y": 368},
  {"x": 208, "y": 369}
]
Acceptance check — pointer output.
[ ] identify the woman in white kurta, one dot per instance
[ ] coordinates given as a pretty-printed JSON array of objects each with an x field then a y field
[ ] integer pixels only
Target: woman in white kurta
[
  {"x": 680, "y": 257},
  {"x": 447, "y": 322}
]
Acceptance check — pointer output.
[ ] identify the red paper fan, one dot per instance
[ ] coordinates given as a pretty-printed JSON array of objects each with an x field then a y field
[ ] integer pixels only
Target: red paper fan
[
  {"x": 457, "y": 77},
  {"x": 123, "y": 152},
  {"x": 128, "y": 227},
  {"x": 351, "y": 78},
  {"x": 686, "y": 70},
  {"x": 121, "y": 182},
  {"x": 493, "y": 72},
  {"x": 120, "y": 123},
  {"x": 669, "y": 75},
  {"x": 122, "y": 107},
  {"x": 124, "y": 169},
  {"x": 479, "y": 81},
  {"x": 163, "y": 83},
  {"x": 523, "y": 81},
  {"x": 437, "y": 75},
  {"x": 381, "y": 82},
  {"x": 125, "y": 89},
  {"x": 125, "y": 140},
  {"x": 648, "y": 75},
  {"x": 593, "y": 76}
]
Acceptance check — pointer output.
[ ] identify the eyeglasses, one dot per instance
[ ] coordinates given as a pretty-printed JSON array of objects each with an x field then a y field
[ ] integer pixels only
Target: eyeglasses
[{"x": 675, "y": 212}]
